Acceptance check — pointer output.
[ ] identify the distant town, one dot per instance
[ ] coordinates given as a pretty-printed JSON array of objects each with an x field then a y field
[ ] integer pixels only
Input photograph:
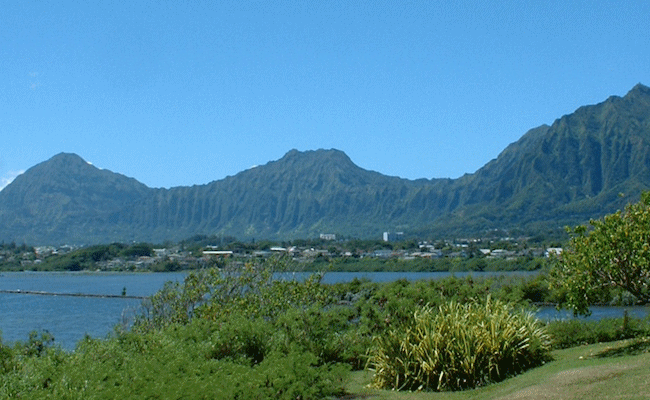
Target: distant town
[{"x": 311, "y": 254}]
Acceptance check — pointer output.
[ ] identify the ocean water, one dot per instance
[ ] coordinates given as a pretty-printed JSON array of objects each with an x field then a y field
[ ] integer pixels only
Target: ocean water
[{"x": 69, "y": 319}]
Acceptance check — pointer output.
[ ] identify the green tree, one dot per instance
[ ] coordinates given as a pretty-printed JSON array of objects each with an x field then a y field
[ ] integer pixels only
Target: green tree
[
  {"x": 138, "y": 250},
  {"x": 614, "y": 255}
]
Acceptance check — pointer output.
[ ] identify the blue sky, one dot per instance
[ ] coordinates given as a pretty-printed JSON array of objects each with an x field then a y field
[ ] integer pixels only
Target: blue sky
[{"x": 183, "y": 93}]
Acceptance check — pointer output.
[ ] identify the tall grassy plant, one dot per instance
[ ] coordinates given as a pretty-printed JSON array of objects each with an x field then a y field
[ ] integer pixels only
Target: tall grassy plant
[{"x": 458, "y": 346}]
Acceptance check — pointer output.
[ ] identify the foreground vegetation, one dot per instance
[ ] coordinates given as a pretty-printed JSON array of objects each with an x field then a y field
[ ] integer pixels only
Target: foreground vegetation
[
  {"x": 233, "y": 332},
  {"x": 459, "y": 346},
  {"x": 612, "y": 370},
  {"x": 612, "y": 255}
]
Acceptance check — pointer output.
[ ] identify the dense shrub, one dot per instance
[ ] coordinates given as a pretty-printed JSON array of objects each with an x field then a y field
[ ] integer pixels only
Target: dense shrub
[
  {"x": 233, "y": 331},
  {"x": 458, "y": 346},
  {"x": 242, "y": 337},
  {"x": 7, "y": 362},
  {"x": 573, "y": 332},
  {"x": 328, "y": 333},
  {"x": 233, "y": 289},
  {"x": 178, "y": 361},
  {"x": 375, "y": 264},
  {"x": 37, "y": 344}
]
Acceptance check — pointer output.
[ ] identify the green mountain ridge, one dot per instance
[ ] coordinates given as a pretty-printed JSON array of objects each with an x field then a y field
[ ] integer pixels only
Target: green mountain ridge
[{"x": 566, "y": 173}]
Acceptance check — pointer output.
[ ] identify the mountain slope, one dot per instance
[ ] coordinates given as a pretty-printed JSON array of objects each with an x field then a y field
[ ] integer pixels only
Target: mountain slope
[
  {"x": 299, "y": 195},
  {"x": 572, "y": 170},
  {"x": 554, "y": 175},
  {"x": 64, "y": 198}
]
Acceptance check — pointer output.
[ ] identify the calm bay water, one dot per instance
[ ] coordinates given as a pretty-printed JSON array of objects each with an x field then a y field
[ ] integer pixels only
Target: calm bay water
[{"x": 70, "y": 318}]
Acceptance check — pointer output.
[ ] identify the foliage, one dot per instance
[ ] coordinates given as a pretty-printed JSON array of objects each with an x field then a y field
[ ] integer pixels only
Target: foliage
[
  {"x": 7, "y": 361},
  {"x": 13, "y": 248},
  {"x": 328, "y": 333},
  {"x": 444, "y": 264},
  {"x": 167, "y": 266},
  {"x": 138, "y": 250},
  {"x": 380, "y": 307},
  {"x": 336, "y": 323},
  {"x": 235, "y": 331},
  {"x": 232, "y": 289},
  {"x": 615, "y": 254},
  {"x": 37, "y": 344},
  {"x": 174, "y": 303},
  {"x": 574, "y": 332},
  {"x": 458, "y": 346},
  {"x": 601, "y": 371},
  {"x": 87, "y": 258},
  {"x": 297, "y": 313},
  {"x": 175, "y": 362}
]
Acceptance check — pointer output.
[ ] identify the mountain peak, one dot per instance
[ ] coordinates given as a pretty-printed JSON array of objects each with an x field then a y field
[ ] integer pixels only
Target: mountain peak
[
  {"x": 66, "y": 161},
  {"x": 317, "y": 153},
  {"x": 320, "y": 156},
  {"x": 68, "y": 157},
  {"x": 638, "y": 90}
]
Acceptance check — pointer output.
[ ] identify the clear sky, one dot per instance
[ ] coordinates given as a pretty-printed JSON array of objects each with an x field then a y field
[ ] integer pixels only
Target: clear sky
[{"x": 180, "y": 93}]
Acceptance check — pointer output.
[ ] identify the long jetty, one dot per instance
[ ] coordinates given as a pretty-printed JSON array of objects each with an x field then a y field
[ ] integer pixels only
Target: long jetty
[{"x": 103, "y": 296}]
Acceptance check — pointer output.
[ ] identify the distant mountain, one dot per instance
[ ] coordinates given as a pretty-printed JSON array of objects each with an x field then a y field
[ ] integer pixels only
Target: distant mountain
[
  {"x": 565, "y": 173},
  {"x": 65, "y": 200},
  {"x": 300, "y": 195},
  {"x": 569, "y": 172}
]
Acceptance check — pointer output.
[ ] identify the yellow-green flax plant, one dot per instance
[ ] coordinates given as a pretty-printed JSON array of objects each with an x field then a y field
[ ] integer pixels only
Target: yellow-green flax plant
[{"x": 458, "y": 346}]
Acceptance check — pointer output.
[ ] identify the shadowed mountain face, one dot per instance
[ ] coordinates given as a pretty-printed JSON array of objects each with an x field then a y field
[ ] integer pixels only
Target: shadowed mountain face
[{"x": 554, "y": 175}]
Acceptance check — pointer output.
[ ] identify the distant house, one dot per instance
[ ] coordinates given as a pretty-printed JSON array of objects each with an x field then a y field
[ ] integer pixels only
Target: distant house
[
  {"x": 160, "y": 252},
  {"x": 328, "y": 236},
  {"x": 382, "y": 253},
  {"x": 501, "y": 253},
  {"x": 553, "y": 251},
  {"x": 435, "y": 253},
  {"x": 314, "y": 252}
]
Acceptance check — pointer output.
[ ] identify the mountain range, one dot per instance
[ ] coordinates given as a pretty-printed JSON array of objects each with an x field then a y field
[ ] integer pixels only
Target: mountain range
[{"x": 585, "y": 165}]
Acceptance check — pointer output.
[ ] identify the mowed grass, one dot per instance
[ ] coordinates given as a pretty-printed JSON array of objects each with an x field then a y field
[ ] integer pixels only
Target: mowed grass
[{"x": 615, "y": 370}]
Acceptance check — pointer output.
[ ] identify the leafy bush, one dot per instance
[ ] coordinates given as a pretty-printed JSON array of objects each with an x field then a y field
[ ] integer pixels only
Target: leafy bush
[
  {"x": 37, "y": 344},
  {"x": 458, "y": 346},
  {"x": 234, "y": 289},
  {"x": 242, "y": 338},
  {"x": 328, "y": 333},
  {"x": 7, "y": 361},
  {"x": 177, "y": 361},
  {"x": 611, "y": 255},
  {"x": 573, "y": 332}
]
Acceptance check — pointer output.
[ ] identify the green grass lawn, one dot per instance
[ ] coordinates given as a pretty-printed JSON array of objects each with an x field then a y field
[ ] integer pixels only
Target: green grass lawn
[{"x": 615, "y": 370}]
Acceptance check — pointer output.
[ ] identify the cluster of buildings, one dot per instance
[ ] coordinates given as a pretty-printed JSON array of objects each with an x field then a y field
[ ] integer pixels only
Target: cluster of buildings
[
  {"x": 394, "y": 247},
  {"x": 423, "y": 250}
]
